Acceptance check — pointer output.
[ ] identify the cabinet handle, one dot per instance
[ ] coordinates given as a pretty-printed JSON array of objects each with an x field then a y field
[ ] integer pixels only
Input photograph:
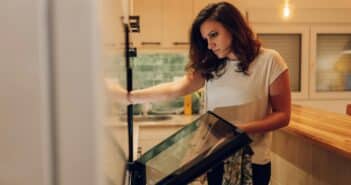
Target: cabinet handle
[
  {"x": 180, "y": 43},
  {"x": 123, "y": 43},
  {"x": 150, "y": 43}
]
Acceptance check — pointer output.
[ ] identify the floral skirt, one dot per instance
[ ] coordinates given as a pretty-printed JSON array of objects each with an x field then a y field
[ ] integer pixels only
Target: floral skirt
[{"x": 237, "y": 169}]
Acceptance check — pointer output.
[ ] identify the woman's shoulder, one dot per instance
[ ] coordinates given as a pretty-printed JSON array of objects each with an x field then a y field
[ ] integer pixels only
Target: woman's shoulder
[
  {"x": 268, "y": 57},
  {"x": 268, "y": 53},
  {"x": 273, "y": 58}
]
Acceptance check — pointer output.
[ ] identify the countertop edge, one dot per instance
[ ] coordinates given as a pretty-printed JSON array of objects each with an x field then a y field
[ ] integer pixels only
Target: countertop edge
[{"x": 295, "y": 128}]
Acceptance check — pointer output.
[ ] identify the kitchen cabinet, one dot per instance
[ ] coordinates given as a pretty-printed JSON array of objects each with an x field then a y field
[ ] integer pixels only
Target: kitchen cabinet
[
  {"x": 178, "y": 17},
  {"x": 200, "y": 4},
  {"x": 330, "y": 62},
  {"x": 292, "y": 43},
  {"x": 163, "y": 23},
  {"x": 111, "y": 37},
  {"x": 151, "y": 23},
  {"x": 310, "y": 72},
  {"x": 167, "y": 23},
  {"x": 325, "y": 31}
]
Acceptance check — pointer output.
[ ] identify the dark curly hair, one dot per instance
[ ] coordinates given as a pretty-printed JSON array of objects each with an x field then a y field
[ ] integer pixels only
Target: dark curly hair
[{"x": 245, "y": 46}]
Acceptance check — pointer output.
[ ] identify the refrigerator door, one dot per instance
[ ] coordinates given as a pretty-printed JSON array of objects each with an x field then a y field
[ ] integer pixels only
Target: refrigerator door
[{"x": 53, "y": 111}]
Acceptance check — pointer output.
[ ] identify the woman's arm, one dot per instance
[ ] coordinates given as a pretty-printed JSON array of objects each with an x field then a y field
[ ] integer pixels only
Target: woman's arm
[
  {"x": 165, "y": 91},
  {"x": 114, "y": 90},
  {"x": 279, "y": 97}
]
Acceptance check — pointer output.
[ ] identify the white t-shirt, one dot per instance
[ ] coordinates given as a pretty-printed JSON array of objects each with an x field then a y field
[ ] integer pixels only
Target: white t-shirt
[{"x": 240, "y": 98}]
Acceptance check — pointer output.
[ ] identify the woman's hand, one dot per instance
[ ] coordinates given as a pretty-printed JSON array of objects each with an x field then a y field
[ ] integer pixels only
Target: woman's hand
[
  {"x": 169, "y": 90},
  {"x": 117, "y": 92}
]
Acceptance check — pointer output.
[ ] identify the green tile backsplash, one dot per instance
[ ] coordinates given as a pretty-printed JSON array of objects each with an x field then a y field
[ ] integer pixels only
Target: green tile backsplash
[
  {"x": 156, "y": 68},
  {"x": 152, "y": 69}
]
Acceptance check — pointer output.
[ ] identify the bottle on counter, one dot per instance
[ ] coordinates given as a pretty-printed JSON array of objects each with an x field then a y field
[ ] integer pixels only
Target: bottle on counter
[{"x": 188, "y": 104}]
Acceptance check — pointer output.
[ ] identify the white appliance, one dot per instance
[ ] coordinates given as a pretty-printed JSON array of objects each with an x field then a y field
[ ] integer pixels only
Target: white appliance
[{"x": 53, "y": 114}]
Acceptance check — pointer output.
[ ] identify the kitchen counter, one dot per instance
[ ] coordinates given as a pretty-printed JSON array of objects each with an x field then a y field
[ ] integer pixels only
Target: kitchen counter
[
  {"x": 330, "y": 130},
  {"x": 314, "y": 149}
]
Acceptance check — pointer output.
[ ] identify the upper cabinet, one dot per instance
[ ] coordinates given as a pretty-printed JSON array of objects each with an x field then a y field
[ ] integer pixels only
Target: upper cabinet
[
  {"x": 178, "y": 17},
  {"x": 110, "y": 23},
  {"x": 331, "y": 62},
  {"x": 163, "y": 23},
  {"x": 200, "y": 4},
  {"x": 292, "y": 42},
  {"x": 318, "y": 57},
  {"x": 167, "y": 23},
  {"x": 151, "y": 23}
]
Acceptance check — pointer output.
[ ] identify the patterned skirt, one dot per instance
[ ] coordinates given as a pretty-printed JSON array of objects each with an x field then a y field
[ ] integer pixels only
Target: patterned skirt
[{"x": 237, "y": 169}]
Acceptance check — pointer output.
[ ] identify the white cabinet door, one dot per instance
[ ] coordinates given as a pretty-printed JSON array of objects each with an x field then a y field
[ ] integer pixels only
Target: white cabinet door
[
  {"x": 178, "y": 17},
  {"x": 330, "y": 62},
  {"x": 151, "y": 23},
  {"x": 292, "y": 42},
  {"x": 200, "y": 4},
  {"x": 167, "y": 23}
]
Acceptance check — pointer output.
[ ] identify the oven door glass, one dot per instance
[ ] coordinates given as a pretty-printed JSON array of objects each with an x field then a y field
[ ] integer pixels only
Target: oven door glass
[{"x": 191, "y": 151}]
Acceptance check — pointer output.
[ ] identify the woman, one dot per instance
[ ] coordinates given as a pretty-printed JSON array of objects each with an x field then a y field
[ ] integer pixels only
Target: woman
[{"x": 244, "y": 82}]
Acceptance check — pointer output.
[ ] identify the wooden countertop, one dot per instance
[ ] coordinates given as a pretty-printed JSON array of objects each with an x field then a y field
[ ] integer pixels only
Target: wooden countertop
[{"x": 330, "y": 130}]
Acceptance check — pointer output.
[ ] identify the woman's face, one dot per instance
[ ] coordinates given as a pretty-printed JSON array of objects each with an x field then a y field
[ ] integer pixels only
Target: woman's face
[{"x": 218, "y": 38}]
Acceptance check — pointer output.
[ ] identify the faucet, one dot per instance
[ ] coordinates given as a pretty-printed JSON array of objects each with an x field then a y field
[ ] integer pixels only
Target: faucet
[{"x": 145, "y": 108}]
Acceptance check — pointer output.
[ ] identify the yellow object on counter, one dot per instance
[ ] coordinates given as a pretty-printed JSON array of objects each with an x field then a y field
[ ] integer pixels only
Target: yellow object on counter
[{"x": 187, "y": 105}]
